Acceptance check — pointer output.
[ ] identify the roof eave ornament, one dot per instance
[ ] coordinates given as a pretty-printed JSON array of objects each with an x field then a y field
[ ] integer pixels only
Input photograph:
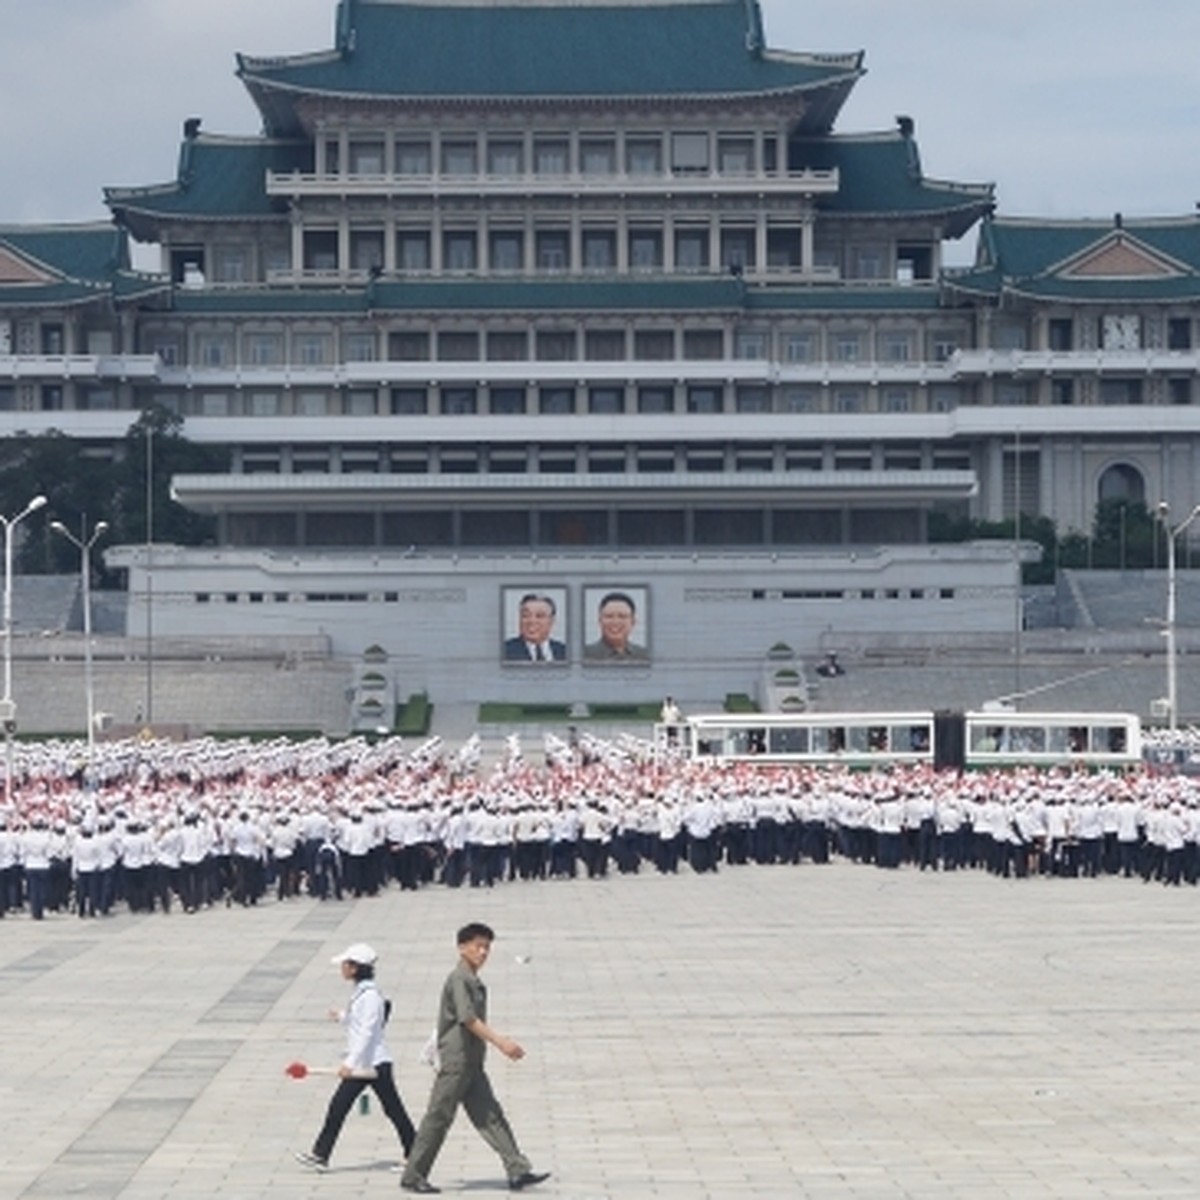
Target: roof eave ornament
[
  {"x": 346, "y": 33},
  {"x": 755, "y": 38}
]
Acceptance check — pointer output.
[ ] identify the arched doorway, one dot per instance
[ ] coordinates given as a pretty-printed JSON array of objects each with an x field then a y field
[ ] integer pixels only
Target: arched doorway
[{"x": 1122, "y": 481}]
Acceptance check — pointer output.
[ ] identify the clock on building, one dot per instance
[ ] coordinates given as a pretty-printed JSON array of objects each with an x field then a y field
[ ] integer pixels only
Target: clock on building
[{"x": 1122, "y": 331}]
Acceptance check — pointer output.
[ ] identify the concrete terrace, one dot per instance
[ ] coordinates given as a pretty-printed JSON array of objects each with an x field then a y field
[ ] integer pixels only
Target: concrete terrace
[{"x": 812, "y": 1032}]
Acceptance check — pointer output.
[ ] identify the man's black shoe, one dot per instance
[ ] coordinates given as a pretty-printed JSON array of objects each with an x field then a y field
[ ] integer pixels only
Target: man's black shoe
[
  {"x": 527, "y": 1180},
  {"x": 423, "y": 1188}
]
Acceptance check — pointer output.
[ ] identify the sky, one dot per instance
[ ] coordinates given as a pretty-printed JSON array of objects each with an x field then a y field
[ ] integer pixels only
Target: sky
[{"x": 1071, "y": 107}]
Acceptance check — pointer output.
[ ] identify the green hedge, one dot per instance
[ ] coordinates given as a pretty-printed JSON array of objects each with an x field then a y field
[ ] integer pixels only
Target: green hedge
[
  {"x": 739, "y": 702},
  {"x": 414, "y": 718}
]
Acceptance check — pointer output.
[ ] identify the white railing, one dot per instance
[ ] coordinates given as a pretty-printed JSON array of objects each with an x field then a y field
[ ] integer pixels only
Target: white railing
[{"x": 79, "y": 366}]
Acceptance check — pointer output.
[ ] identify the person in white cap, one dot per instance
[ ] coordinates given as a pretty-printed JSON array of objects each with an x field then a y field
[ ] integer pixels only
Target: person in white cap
[{"x": 366, "y": 1062}]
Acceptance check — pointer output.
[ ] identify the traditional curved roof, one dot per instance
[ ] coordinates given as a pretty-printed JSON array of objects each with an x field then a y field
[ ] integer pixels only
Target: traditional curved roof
[
  {"x": 219, "y": 178},
  {"x": 63, "y": 265},
  {"x": 520, "y": 51},
  {"x": 880, "y": 175},
  {"x": 1085, "y": 261}
]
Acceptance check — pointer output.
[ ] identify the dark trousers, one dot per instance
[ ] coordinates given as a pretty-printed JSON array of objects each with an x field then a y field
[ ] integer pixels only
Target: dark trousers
[{"x": 342, "y": 1101}]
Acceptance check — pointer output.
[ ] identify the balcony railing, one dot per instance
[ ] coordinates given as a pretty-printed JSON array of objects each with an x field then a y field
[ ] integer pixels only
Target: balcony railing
[
  {"x": 79, "y": 366},
  {"x": 296, "y": 183}
]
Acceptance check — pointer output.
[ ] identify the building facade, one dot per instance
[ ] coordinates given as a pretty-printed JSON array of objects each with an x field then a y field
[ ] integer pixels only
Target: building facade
[{"x": 581, "y": 298}]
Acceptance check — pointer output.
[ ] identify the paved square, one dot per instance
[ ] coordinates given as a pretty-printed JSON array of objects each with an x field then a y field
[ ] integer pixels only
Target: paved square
[{"x": 834, "y": 1031}]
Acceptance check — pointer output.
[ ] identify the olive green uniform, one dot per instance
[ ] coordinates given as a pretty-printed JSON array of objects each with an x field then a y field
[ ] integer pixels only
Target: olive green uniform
[{"x": 461, "y": 1079}]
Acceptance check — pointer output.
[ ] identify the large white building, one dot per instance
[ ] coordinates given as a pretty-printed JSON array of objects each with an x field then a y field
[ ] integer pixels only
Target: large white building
[{"x": 566, "y": 299}]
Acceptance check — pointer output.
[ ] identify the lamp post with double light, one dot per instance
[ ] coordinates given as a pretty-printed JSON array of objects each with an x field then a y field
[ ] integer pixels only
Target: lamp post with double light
[
  {"x": 1172, "y": 532},
  {"x": 8, "y": 708},
  {"x": 84, "y": 545}
]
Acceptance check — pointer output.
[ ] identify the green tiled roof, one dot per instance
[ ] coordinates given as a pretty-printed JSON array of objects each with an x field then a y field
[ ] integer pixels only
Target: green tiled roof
[
  {"x": 885, "y": 298},
  {"x": 1026, "y": 256},
  {"x": 880, "y": 175},
  {"x": 388, "y": 48},
  {"x": 218, "y": 177},
  {"x": 83, "y": 264}
]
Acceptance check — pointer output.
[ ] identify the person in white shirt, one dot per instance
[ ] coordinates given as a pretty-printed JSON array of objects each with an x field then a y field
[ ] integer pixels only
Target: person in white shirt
[{"x": 367, "y": 1061}]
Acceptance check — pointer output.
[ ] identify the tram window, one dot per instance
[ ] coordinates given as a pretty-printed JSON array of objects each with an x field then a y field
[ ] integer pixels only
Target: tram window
[
  {"x": 788, "y": 741},
  {"x": 756, "y": 741},
  {"x": 1077, "y": 739},
  {"x": 986, "y": 738},
  {"x": 1027, "y": 739},
  {"x": 1059, "y": 741},
  {"x": 1111, "y": 737},
  {"x": 877, "y": 738},
  {"x": 828, "y": 740},
  {"x": 859, "y": 739},
  {"x": 910, "y": 737}
]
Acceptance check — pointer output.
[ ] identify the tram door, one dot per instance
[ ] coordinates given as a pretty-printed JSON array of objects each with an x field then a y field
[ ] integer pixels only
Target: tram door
[{"x": 949, "y": 739}]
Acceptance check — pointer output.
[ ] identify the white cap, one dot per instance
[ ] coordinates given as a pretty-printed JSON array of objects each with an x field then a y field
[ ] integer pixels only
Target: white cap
[{"x": 360, "y": 952}]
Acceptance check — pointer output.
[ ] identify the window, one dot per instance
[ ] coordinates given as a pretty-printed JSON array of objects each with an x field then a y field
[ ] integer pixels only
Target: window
[
  {"x": 556, "y": 401},
  {"x": 643, "y": 156},
  {"x": 458, "y": 346},
  {"x": 751, "y": 344},
  {"x": 737, "y": 248},
  {"x": 412, "y": 250},
  {"x": 735, "y": 155},
  {"x": 459, "y": 401},
  {"x": 361, "y": 402},
  {"x": 1009, "y": 391},
  {"x": 358, "y": 347},
  {"x": 551, "y": 156},
  {"x": 799, "y": 347},
  {"x": 503, "y": 346},
  {"x": 8, "y": 398},
  {"x": 705, "y": 345},
  {"x": 944, "y": 397},
  {"x": 753, "y": 399},
  {"x": 552, "y": 248},
  {"x": 895, "y": 346},
  {"x": 51, "y": 397},
  {"x": 408, "y": 346},
  {"x": 1060, "y": 333},
  {"x": 366, "y": 249},
  {"x": 868, "y": 262},
  {"x": 506, "y": 250},
  {"x": 167, "y": 348},
  {"x": 506, "y": 401},
  {"x": 312, "y": 349},
  {"x": 848, "y": 400},
  {"x": 598, "y": 156},
  {"x": 366, "y": 157},
  {"x": 556, "y": 345},
  {"x": 784, "y": 249},
  {"x": 1009, "y": 335},
  {"x": 645, "y": 249},
  {"x": 605, "y": 400},
  {"x": 704, "y": 399},
  {"x": 263, "y": 349},
  {"x": 689, "y": 153},
  {"x": 897, "y": 400},
  {"x": 409, "y": 402},
  {"x": 847, "y": 346},
  {"x": 1179, "y": 390},
  {"x": 654, "y": 345},
  {"x": 604, "y": 345},
  {"x": 53, "y": 343},
  {"x": 1179, "y": 333},
  {"x": 655, "y": 400},
  {"x": 944, "y": 345},
  {"x": 312, "y": 404},
  {"x": 320, "y": 250},
  {"x": 506, "y": 157},
  {"x": 1062, "y": 391},
  {"x": 264, "y": 404},
  {"x": 459, "y": 158},
  {"x": 214, "y": 350},
  {"x": 413, "y": 158},
  {"x": 1120, "y": 391},
  {"x": 458, "y": 250},
  {"x": 800, "y": 400},
  {"x": 212, "y": 404},
  {"x": 691, "y": 249},
  {"x": 230, "y": 263},
  {"x": 277, "y": 258},
  {"x": 599, "y": 250}
]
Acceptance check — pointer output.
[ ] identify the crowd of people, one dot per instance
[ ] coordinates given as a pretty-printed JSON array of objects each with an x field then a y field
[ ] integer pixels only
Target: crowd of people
[{"x": 157, "y": 825}]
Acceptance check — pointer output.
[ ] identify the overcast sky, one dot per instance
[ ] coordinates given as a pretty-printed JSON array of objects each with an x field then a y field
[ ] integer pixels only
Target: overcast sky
[{"x": 1072, "y": 107}]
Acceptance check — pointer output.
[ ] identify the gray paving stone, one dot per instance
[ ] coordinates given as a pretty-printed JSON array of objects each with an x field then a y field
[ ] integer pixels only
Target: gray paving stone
[{"x": 765, "y": 1032}]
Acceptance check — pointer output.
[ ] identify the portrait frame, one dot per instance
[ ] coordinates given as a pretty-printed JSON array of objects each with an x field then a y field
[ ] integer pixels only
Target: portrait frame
[
  {"x": 515, "y": 644},
  {"x": 599, "y": 640}
]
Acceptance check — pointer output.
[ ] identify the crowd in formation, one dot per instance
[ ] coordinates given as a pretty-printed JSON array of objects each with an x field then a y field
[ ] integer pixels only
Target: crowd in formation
[{"x": 159, "y": 825}]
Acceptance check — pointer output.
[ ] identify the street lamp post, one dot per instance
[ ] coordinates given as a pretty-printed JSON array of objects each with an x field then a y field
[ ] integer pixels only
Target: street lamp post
[
  {"x": 8, "y": 709},
  {"x": 1172, "y": 532},
  {"x": 84, "y": 545}
]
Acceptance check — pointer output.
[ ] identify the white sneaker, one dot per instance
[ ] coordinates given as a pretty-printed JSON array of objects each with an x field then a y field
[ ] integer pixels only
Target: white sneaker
[{"x": 307, "y": 1159}]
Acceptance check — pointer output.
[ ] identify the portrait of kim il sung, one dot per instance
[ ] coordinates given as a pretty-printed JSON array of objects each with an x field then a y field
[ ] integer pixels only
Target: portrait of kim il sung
[
  {"x": 534, "y": 621},
  {"x": 616, "y": 624}
]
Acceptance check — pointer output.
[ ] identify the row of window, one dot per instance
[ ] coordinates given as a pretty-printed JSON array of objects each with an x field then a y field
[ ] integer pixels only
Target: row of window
[
  {"x": 838, "y": 344},
  {"x": 549, "y": 155},
  {"x": 709, "y": 399},
  {"x": 596, "y": 458},
  {"x": 1113, "y": 332},
  {"x": 608, "y": 528}
]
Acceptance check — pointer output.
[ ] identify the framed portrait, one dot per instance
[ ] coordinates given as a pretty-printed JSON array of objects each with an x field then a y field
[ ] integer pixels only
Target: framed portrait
[
  {"x": 533, "y": 625},
  {"x": 616, "y": 624}
]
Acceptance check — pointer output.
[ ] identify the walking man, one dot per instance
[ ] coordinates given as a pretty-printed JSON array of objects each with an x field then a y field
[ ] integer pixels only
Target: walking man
[{"x": 462, "y": 1037}]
